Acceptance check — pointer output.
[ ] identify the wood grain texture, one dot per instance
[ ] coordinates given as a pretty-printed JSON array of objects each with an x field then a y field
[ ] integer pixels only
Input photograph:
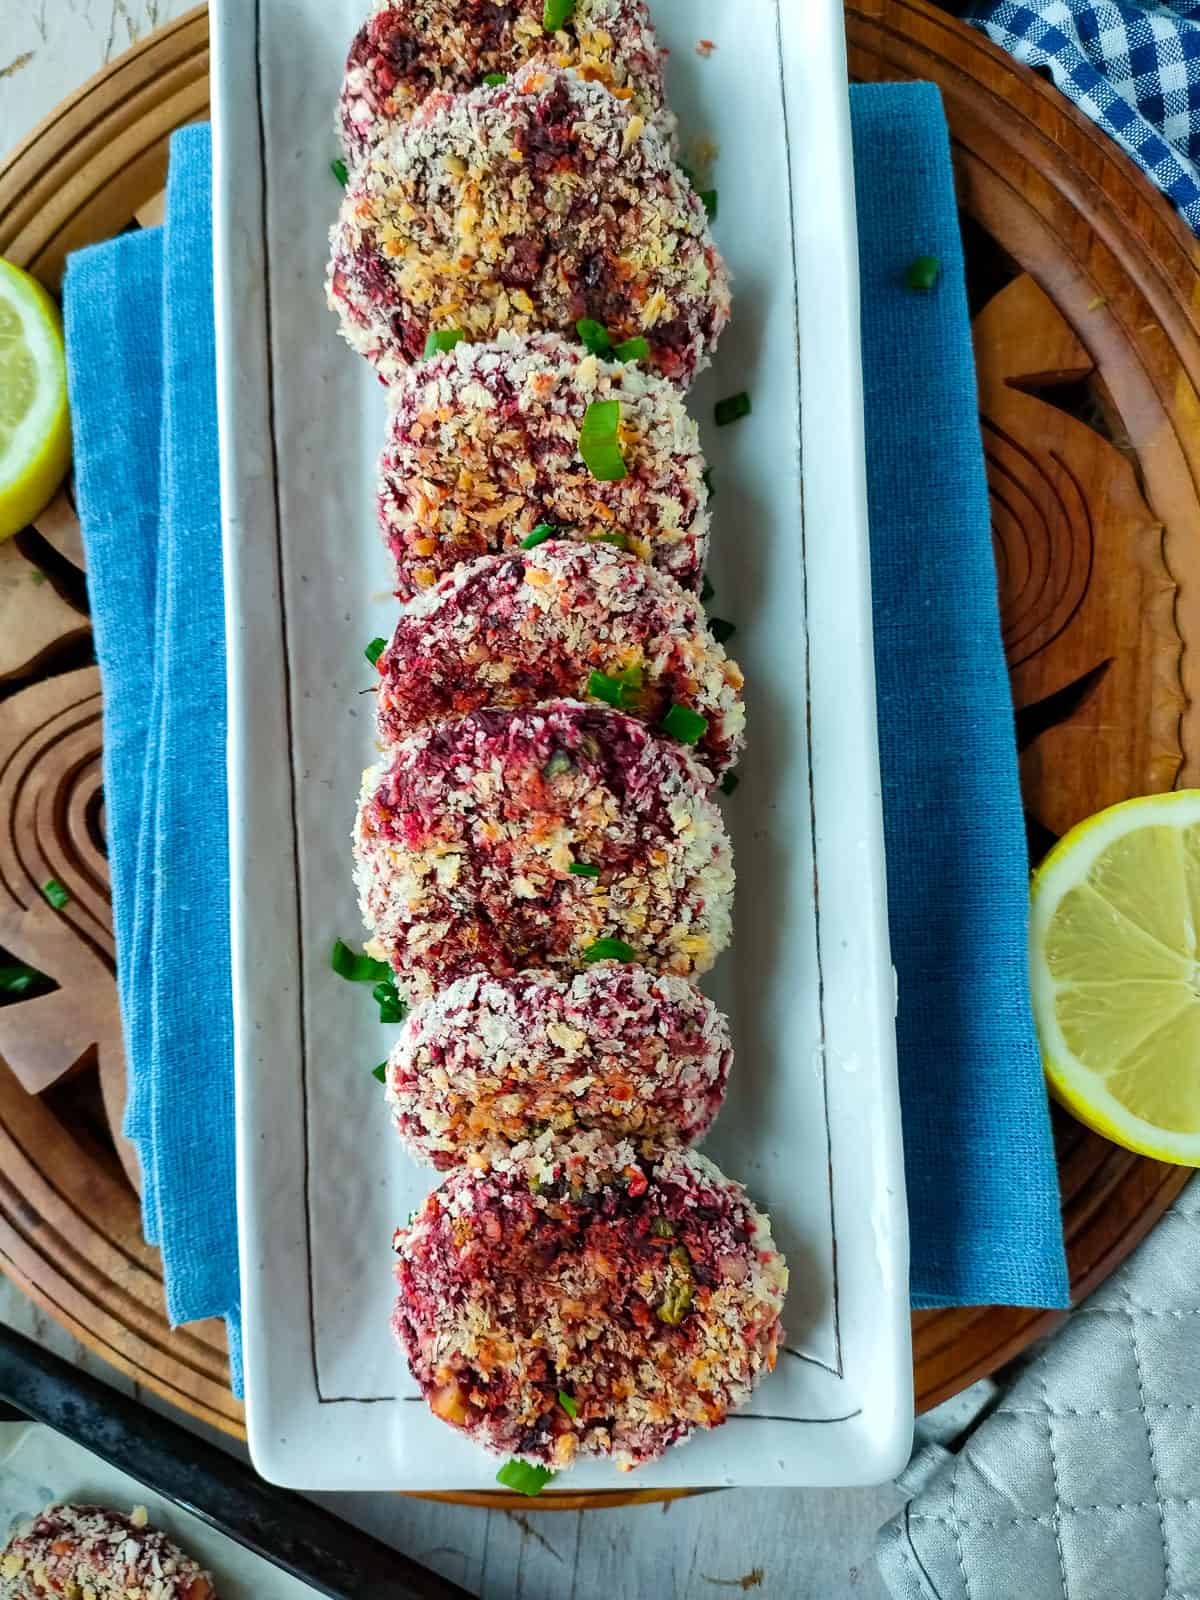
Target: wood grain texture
[{"x": 1089, "y": 357}]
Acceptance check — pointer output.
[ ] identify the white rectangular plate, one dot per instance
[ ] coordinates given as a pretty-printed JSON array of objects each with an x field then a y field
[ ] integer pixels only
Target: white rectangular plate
[{"x": 812, "y": 1120}]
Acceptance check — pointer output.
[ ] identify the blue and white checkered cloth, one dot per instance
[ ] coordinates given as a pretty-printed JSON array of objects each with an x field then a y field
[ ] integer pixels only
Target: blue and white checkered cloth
[{"x": 1133, "y": 69}]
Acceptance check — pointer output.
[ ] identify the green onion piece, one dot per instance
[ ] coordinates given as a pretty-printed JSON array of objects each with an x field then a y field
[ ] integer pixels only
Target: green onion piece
[
  {"x": 731, "y": 409},
  {"x": 387, "y": 998},
  {"x": 610, "y": 950},
  {"x": 380, "y": 1074},
  {"x": 584, "y": 869},
  {"x": 442, "y": 339},
  {"x": 729, "y": 782},
  {"x": 684, "y": 724},
  {"x": 340, "y": 172},
  {"x": 519, "y": 1475},
  {"x": 707, "y": 591},
  {"x": 594, "y": 335},
  {"x": 622, "y": 690},
  {"x": 709, "y": 481},
  {"x": 18, "y": 979},
  {"x": 567, "y": 1402},
  {"x": 543, "y": 531},
  {"x": 633, "y": 349},
  {"x": 709, "y": 197},
  {"x": 556, "y": 13},
  {"x": 923, "y": 273},
  {"x": 599, "y": 441},
  {"x": 621, "y": 540},
  {"x": 721, "y": 630},
  {"x": 56, "y": 894},
  {"x": 37, "y": 578},
  {"x": 375, "y": 649},
  {"x": 558, "y": 763},
  {"x": 492, "y": 79},
  {"x": 355, "y": 968},
  {"x": 662, "y": 1228}
]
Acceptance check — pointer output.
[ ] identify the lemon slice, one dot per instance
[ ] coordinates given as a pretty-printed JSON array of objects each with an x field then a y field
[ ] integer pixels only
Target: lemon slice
[
  {"x": 35, "y": 430},
  {"x": 1114, "y": 965}
]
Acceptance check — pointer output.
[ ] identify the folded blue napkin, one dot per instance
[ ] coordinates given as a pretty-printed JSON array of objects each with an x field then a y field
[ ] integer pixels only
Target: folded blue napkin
[
  {"x": 1133, "y": 68},
  {"x": 982, "y": 1183},
  {"x": 138, "y": 316}
]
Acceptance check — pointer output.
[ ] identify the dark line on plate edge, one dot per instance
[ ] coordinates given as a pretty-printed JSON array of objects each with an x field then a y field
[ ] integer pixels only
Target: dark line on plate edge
[
  {"x": 323, "y": 1399},
  {"x": 287, "y": 682},
  {"x": 812, "y": 799}
]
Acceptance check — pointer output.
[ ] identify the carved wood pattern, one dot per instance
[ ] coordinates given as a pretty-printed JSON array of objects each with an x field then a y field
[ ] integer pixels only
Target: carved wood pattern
[{"x": 1089, "y": 360}]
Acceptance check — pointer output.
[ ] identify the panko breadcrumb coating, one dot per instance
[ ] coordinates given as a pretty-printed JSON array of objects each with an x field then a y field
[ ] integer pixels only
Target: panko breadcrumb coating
[
  {"x": 525, "y": 207},
  {"x": 489, "y": 1063},
  {"x": 573, "y": 1300},
  {"x": 407, "y": 49},
  {"x": 70, "y": 1552},
  {"x": 524, "y": 838},
  {"x": 535, "y": 625},
  {"x": 483, "y": 447}
]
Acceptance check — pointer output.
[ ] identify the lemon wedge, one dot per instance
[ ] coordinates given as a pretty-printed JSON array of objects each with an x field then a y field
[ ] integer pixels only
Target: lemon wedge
[
  {"x": 1114, "y": 965},
  {"x": 35, "y": 429}
]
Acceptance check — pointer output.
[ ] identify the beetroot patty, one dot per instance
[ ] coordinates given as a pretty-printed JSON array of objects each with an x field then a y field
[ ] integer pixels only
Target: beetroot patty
[
  {"x": 574, "y": 1301},
  {"x": 536, "y": 625},
  {"x": 526, "y": 207},
  {"x": 408, "y": 48},
  {"x": 483, "y": 447},
  {"x": 545, "y": 837},
  {"x": 489, "y": 1062},
  {"x": 86, "y": 1550}
]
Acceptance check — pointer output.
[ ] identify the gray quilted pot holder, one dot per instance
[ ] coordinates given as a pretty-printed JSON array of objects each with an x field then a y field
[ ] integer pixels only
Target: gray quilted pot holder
[{"x": 1084, "y": 1483}]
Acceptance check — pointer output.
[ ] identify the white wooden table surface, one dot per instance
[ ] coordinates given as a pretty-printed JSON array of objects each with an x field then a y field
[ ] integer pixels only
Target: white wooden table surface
[{"x": 777, "y": 1545}]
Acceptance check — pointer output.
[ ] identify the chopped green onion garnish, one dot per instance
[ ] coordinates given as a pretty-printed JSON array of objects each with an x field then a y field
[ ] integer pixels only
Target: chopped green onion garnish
[
  {"x": 923, "y": 273},
  {"x": 594, "y": 335},
  {"x": 709, "y": 197},
  {"x": 599, "y": 441},
  {"x": 662, "y": 1228},
  {"x": 584, "y": 869},
  {"x": 492, "y": 79},
  {"x": 519, "y": 1475},
  {"x": 357, "y": 969},
  {"x": 555, "y": 14},
  {"x": 543, "y": 531},
  {"x": 19, "y": 979},
  {"x": 56, "y": 894},
  {"x": 610, "y": 950},
  {"x": 567, "y": 1402},
  {"x": 621, "y": 691},
  {"x": 380, "y": 1073},
  {"x": 684, "y": 724},
  {"x": 721, "y": 630},
  {"x": 706, "y": 591},
  {"x": 442, "y": 339},
  {"x": 729, "y": 782},
  {"x": 621, "y": 540},
  {"x": 340, "y": 172},
  {"x": 729, "y": 410},
  {"x": 632, "y": 350},
  {"x": 387, "y": 998},
  {"x": 37, "y": 578},
  {"x": 375, "y": 649},
  {"x": 709, "y": 481}
]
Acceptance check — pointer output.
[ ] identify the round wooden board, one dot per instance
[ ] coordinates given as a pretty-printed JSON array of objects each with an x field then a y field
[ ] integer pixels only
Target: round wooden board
[{"x": 1089, "y": 356}]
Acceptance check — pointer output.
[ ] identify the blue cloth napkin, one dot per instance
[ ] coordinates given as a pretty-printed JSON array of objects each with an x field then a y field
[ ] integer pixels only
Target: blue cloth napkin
[
  {"x": 138, "y": 315},
  {"x": 982, "y": 1182},
  {"x": 1134, "y": 69}
]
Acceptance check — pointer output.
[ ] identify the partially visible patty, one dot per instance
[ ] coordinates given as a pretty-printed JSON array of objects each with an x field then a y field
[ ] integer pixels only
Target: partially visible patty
[
  {"x": 407, "y": 49},
  {"x": 483, "y": 447},
  {"x": 465, "y": 844},
  {"x": 489, "y": 1063},
  {"x": 525, "y": 207},
  {"x": 574, "y": 1300},
  {"x": 536, "y": 625},
  {"x": 73, "y": 1551}
]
